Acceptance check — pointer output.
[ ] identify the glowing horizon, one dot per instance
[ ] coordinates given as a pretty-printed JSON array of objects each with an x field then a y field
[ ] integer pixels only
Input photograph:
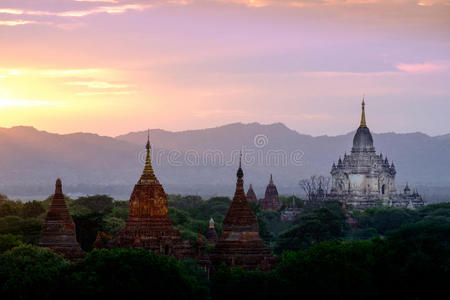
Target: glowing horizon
[{"x": 115, "y": 66}]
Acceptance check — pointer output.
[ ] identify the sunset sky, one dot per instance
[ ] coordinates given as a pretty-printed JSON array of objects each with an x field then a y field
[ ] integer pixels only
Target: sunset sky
[{"x": 114, "y": 66}]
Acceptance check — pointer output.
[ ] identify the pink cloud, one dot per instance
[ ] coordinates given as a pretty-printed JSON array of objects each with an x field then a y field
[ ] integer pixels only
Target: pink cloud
[
  {"x": 16, "y": 22},
  {"x": 108, "y": 1},
  {"x": 70, "y": 26},
  {"x": 104, "y": 9},
  {"x": 427, "y": 67},
  {"x": 117, "y": 9}
]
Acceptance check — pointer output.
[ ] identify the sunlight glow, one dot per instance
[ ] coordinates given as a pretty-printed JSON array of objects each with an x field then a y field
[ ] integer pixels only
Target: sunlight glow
[{"x": 23, "y": 103}]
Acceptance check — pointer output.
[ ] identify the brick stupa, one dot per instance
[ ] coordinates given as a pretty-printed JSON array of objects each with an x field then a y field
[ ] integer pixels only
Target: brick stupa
[
  {"x": 148, "y": 225},
  {"x": 251, "y": 196},
  {"x": 271, "y": 200},
  {"x": 58, "y": 231},
  {"x": 211, "y": 234},
  {"x": 240, "y": 243}
]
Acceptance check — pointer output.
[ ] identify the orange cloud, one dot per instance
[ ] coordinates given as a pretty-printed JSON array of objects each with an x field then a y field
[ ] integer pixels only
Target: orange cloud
[
  {"x": 98, "y": 84},
  {"x": 106, "y": 93},
  {"x": 11, "y": 11}
]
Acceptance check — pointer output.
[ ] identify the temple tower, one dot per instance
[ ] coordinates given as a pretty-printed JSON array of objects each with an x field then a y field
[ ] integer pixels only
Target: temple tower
[
  {"x": 365, "y": 178},
  {"x": 240, "y": 243},
  {"x": 251, "y": 196},
  {"x": 211, "y": 234},
  {"x": 271, "y": 200},
  {"x": 148, "y": 225},
  {"x": 58, "y": 231}
]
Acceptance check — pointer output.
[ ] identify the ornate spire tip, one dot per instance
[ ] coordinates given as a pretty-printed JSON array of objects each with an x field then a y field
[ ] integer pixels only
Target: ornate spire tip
[{"x": 363, "y": 114}]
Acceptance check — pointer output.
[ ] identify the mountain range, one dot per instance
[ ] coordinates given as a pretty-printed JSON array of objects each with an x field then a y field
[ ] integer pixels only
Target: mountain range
[{"x": 204, "y": 162}]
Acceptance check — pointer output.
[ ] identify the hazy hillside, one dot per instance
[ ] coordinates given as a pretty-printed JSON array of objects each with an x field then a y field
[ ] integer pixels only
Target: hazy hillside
[{"x": 202, "y": 161}]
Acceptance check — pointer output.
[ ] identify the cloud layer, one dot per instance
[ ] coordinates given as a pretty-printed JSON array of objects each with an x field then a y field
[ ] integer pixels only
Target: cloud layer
[{"x": 124, "y": 65}]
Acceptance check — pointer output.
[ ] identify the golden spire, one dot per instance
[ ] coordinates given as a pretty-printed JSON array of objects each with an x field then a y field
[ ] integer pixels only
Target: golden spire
[
  {"x": 148, "y": 176},
  {"x": 363, "y": 115}
]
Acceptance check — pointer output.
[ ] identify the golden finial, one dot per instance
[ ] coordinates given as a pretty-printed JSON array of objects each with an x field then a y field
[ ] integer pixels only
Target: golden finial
[
  {"x": 363, "y": 114},
  {"x": 148, "y": 176}
]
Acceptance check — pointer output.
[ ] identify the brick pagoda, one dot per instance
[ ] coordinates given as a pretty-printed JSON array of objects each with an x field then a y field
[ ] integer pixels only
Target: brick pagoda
[
  {"x": 251, "y": 196},
  {"x": 58, "y": 231},
  {"x": 211, "y": 234},
  {"x": 271, "y": 200},
  {"x": 240, "y": 243},
  {"x": 148, "y": 225}
]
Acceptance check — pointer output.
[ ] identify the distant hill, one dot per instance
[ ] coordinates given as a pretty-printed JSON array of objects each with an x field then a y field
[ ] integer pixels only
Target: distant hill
[{"x": 203, "y": 161}]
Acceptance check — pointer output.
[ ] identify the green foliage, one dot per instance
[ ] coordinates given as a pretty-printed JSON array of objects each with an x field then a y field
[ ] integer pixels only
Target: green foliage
[
  {"x": 29, "y": 229},
  {"x": 287, "y": 201},
  {"x": 410, "y": 260},
  {"x": 97, "y": 203},
  {"x": 9, "y": 241},
  {"x": 419, "y": 257},
  {"x": 87, "y": 228},
  {"x": 33, "y": 209},
  {"x": 435, "y": 210},
  {"x": 384, "y": 219},
  {"x": 332, "y": 270},
  {"x": 189, "y": 235},
  {"x": 215, "y": 205},
  {"x": 11, "y": 224},
  {"x": 190, "y": 229},
  {"x": 200, "y": 226},
  {"x": 264, "y": 231},
  {"x": 273, "y": 221},
  {"x": 10, "y": 208},
  {"x": 191, "y": 214},
  {"x": 229, "y": 284},
  {"x": 325, "y": 223},
  {"x": 256, "y": 208},
  {"x": 178, "y": 217},
  {"x": 119, "y": 212},
  {"x": 28, "y": 272},
  {"x": 113, "y": 225},
  {"x": 130, "y": 274},
  {"x": 184, "y": 202},
  {"x": 76, "y": 209},
  {"x": 364, "y": 233}
]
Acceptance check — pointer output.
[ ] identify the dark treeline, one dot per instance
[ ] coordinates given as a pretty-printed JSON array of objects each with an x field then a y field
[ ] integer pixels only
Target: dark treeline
[{"x": 392, "y": 253}]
